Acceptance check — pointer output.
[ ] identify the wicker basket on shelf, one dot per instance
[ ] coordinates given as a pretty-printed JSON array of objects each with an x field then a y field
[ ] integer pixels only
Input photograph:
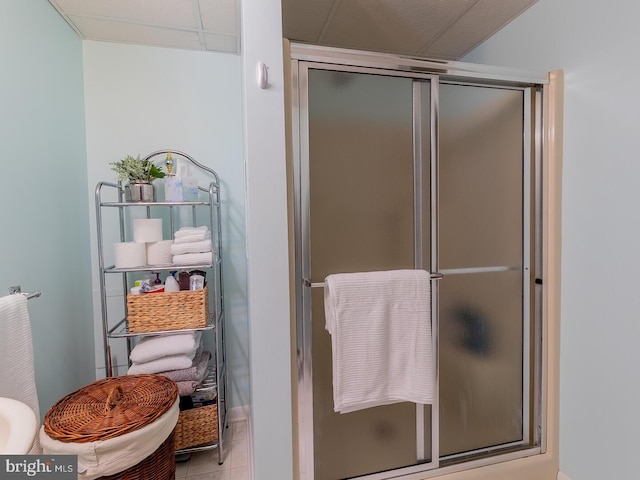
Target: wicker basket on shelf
[
  {"x": 114, "y": 407},
  {"x": 197, "y": 426},
  {"x": 154, "y": 312}
]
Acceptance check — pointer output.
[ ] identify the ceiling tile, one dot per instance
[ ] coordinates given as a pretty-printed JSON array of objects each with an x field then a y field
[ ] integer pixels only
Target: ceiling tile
[
  {"x": 303, "y": 20},
  {"x": 221, "y": 43},
  {"x": 220, "y": 16},
  {"x": 129, "y": 33},
  {"x": 390, "y": 25},
  {"x": 177, "y": 13},
  {"x": 484, "y": 19}
]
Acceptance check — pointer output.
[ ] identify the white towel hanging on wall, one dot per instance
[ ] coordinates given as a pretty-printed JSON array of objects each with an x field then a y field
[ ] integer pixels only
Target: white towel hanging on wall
[
  {"x": 16, "y": 349},
  {"x": 380, "y": 326}
]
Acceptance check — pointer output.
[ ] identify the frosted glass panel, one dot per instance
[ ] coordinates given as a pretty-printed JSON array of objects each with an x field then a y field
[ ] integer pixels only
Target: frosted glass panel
[
  {"x": 481, "y": 176},
  {"x": 480, "y": 361},
  {"x": 361, "y": 172},
  {"x": 361, "y": 219}
]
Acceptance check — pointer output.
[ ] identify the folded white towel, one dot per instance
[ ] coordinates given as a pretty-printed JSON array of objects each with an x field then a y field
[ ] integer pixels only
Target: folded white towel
[
  {"x": 380, "y": 326},
  {"x": 193, "y": 258},
  {"x": 195, "y": 373},
  {"x": 192, "y": 247},
  {"x": 162, "y": 364},
  {"x": 157, "y": 346},
  {"x": 196, "y": 237},
  {"x": 186, "y": 231}
]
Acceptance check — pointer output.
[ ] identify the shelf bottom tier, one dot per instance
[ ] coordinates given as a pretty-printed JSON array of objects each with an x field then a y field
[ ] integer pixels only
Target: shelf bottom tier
[
  {"x": 197, "y": 426},
  {"x": 198, "y": 448},
  {"x": 219, "y": 444}
]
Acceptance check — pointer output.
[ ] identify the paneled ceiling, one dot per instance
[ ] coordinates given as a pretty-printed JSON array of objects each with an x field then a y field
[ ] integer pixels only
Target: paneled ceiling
[
  {"x": 206, "y": 25},
  {"x": 439, "y": 29}
]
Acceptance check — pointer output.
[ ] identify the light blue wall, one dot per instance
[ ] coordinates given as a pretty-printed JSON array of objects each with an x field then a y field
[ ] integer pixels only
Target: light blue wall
[
  {"x": 267, "y": 243},
  {"x": 44, "y": 213},
  {"x": 128, "y": 99},
  {"x": 596, "y": 43},
  {"x": 140, "y": 99}
]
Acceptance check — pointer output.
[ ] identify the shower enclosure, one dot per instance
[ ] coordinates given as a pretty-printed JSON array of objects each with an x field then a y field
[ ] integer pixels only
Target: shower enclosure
[{"x": 410, "y": 164}]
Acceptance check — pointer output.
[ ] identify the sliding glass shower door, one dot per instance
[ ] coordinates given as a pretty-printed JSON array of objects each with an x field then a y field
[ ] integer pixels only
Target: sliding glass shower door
[
  {"x": 361, "y": 211},
  {"x": 484, "y": 259},
  {"x": 400, "y": 171}
]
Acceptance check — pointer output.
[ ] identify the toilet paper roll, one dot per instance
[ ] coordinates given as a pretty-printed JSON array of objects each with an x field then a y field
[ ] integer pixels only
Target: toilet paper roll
[
  {"x": 147, "y": 230},
  {"x": 159, "y": 253},
  {"x": 130, "y": 254}
]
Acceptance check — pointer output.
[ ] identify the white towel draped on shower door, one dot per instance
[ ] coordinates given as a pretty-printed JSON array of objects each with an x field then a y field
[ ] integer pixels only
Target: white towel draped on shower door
[
  {"x": 17, "y": 377},
  {"x": 380, "y": 326}
]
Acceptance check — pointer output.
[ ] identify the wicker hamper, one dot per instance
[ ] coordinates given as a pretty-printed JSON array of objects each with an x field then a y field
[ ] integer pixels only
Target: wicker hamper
[
  {"x": 167, "y": 311},
  {"x": 112, "y": 408},
  {"x": 197, "y": 426}
]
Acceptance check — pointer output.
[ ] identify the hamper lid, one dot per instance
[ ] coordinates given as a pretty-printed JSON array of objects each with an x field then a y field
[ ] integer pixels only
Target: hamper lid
[{"x": 109, "y": 408}]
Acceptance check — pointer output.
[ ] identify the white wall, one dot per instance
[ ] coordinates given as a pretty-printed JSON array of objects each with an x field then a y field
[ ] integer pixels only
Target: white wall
[
  {"x": 267, "y": 243},
  {"x": 142, "y": 99},
  {"x": 596, "y": 43},
  {"x": 44, "y": 213}
]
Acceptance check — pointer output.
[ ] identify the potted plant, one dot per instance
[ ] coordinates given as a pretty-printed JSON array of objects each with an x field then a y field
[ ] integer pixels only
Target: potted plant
[{"x": 139, "y": 173}]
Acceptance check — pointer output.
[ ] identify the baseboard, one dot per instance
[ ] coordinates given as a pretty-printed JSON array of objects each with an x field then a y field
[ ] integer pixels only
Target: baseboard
[
  {"x": 238, "y": 414},
  {"x": 563, "y": 476}
]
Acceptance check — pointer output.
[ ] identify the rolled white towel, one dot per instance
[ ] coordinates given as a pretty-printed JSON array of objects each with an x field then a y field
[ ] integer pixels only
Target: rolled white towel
[
  {"x": 193, "y": 258},
  {"x": 187, "y": 231},
  {"x": 157, "y": 346},
  {"x": 194, "y": 247}
]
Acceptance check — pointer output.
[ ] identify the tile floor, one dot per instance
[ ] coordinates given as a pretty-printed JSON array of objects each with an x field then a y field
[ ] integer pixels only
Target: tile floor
[{"x": 204, "y": 465}]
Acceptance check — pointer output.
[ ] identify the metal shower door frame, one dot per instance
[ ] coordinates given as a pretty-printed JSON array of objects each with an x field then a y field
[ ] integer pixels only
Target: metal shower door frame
[{"x": 305, "y": 58}]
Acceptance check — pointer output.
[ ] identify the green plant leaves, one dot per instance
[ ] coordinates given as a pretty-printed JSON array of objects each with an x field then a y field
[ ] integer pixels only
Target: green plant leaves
[{"x": 134, "y": 169}]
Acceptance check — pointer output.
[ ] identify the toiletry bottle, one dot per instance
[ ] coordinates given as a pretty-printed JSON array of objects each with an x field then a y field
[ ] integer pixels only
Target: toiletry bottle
[
  {"x": 171, "y": 284},
  {"x": 183, "y": 280},
  {"x": 189, "y": 185}
]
